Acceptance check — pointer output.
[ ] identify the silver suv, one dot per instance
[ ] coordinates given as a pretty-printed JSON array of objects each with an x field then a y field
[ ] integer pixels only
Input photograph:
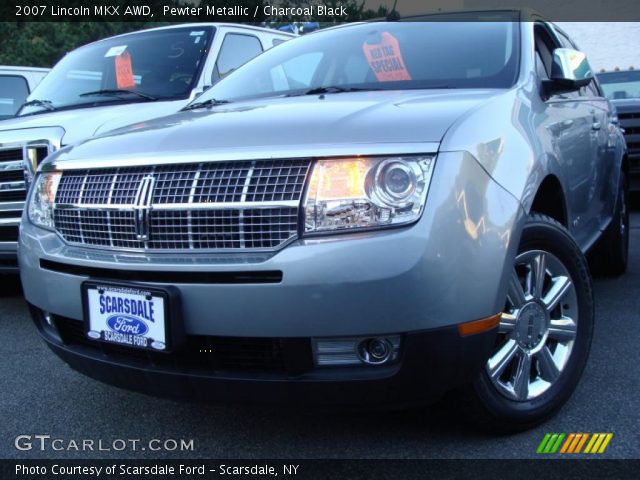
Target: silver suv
[
  {"x": 372, "y": 214},
  {"x": 108, "y": 84}
]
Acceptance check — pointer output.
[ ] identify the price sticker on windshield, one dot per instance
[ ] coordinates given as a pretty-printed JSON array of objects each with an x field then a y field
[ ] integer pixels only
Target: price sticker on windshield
[
  {"x": 115, "y": 51},
  {"x": 124, "y": 71},
  {"x": 385, "y": 59}
]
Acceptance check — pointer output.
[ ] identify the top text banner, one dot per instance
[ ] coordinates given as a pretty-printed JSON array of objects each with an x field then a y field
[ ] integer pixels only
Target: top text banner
[{"x": 332, "y": 11}]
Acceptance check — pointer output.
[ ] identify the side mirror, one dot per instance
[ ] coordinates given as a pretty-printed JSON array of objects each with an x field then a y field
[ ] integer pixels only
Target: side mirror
[{"x": 570, "y": 69}]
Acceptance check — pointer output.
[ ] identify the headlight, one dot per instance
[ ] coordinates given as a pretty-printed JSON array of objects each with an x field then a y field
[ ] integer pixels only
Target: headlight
[
  {"x": 353, "y": 193},
  {"x": 42, "y": 199}
]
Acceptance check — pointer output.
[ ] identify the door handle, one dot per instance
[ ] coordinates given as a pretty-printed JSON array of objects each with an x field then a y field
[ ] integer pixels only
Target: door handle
[{"x": 595, "y": 126}]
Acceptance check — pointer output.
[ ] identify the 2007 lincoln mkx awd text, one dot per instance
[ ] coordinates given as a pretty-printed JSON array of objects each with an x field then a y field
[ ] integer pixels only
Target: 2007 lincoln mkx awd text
[{"x": 371, "y": 214}]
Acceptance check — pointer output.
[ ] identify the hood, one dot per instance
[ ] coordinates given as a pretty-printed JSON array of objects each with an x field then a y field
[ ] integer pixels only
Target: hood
[
  {"x": 82, "y": 123},
  {"x": 332, "y": 119}
]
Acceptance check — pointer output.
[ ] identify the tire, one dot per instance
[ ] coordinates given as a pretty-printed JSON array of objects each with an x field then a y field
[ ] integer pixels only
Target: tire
[
  {"x": 503, "y": 400},
  {"x": 611, "y": 253}
]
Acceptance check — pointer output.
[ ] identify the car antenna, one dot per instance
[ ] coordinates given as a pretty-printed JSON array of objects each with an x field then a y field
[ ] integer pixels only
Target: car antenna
[{"x": 393, "y": 15}]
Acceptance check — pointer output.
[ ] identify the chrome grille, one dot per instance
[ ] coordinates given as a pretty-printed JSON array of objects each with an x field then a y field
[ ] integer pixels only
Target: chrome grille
[
  {"x": 12, "y": 185},
  {"x": 204, "y": 206},
  {"x": 630, "y": 122}
]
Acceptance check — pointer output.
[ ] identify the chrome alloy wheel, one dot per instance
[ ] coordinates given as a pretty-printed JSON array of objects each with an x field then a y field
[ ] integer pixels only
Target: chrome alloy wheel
[{"x": 538, "y": 327}]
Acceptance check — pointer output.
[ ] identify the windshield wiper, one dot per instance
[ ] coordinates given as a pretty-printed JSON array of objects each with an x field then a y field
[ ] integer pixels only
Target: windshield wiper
[
  {"x": 212, "y": 102},
  {"x": 39, "y": 103},
  {"x": 331, "y": 89},
  {"x": 116, "y": 92}
]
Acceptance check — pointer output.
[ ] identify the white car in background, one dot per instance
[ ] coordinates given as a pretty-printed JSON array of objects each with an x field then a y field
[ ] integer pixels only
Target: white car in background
[{"x": 118, "y": 81}]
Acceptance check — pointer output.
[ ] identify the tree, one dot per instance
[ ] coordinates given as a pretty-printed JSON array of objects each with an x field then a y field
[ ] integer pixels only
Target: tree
[{"x": 42, "y": 43}]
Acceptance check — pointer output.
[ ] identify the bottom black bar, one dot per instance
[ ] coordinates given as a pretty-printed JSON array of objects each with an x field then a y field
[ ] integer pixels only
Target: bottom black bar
[{"x": 319, "y": 469}]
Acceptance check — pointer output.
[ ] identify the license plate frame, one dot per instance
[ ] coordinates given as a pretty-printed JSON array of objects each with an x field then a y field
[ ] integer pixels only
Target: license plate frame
[{"x": 172, "y": 328}]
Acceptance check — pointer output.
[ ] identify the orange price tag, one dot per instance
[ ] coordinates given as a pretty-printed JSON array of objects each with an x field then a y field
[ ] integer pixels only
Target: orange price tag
[
  {"x": 124, "y": 71},
  {"x": 385, "y": 59}
]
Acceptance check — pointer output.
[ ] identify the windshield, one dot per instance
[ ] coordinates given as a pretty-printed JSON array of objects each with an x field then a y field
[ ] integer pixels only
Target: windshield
[
  {"x": 161, "y": 64},
  {"x": 382, "y": 55},
  {"x": 620, "y": 85},
  {"x": 13, "y": 92}
]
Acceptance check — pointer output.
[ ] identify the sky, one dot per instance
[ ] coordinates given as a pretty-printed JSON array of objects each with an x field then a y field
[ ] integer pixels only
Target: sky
[{"x": 607, "y": 45}]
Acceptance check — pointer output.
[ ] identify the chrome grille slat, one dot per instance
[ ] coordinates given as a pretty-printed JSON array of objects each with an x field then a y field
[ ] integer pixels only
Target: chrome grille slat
[
  {"x": 12, "y": 185},
  {"x": 242, "y": 205}
]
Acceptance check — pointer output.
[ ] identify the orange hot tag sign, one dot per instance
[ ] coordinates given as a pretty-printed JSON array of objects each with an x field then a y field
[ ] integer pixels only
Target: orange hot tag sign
[
  {"x": 385, "y": 59},
  {"x": 124, "y": 71}
]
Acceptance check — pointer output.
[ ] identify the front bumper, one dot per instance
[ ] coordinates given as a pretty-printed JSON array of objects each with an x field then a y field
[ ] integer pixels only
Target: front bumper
[
  {"x": 419, "y": 282},
  {"x": 431, "y": 363}
]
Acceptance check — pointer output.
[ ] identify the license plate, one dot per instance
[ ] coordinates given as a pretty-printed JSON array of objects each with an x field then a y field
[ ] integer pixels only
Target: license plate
[{"x": 125, "y": 315}]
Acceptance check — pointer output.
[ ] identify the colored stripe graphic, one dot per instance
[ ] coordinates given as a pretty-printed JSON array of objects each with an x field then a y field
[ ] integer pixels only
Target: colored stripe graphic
[
  {"x": 574, "y": 443},
  {"x": 598, "y": 443},
  {"x": 581, "y": 443},
  {"x": 543, "y": 443},
  {"x": 567, "y": 444},
  {"x": 550, "y": 443},
  {"x": 604, "y": 445}
]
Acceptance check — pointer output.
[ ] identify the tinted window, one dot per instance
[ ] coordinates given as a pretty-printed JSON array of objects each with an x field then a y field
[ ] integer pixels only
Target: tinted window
[
  {"x": 620, "y": 85},
  {"x": 566, "y": 41},
  {"x": 294, "y": 73},
  {"x": 236, "y": 50},
  {"x": 162, "y": 63},
  {"x": 395, "y": 55},
  {"x": 13, "y": 92}
]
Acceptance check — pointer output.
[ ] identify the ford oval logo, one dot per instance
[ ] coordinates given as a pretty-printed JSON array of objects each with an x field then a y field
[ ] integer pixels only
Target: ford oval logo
[{"x": 127, "y": 324}]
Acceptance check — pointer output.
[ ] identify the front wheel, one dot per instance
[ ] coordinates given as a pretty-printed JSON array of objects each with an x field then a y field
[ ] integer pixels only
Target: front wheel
[{"x": 544, "y": 335}]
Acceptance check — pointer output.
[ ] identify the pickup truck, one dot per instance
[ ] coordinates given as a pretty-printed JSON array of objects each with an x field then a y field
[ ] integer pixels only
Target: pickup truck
[
  {"x": 111, "y": 83},
  {"x": 623, "y": 89},
  {"x": 16, "y": 83}
]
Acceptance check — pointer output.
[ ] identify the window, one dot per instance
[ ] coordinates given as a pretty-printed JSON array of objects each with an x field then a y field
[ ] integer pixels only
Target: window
[
  {"x": 621, "y": 85},
  {"x": 565, "y": 40},
  {"x": 545, "y": 45},
  {"x": 295, "y": 73},
  {"x": 14, "y": 90},
  {"x": 540, "y": 69},
  {"x": 165, "y": 64},
  {"x": 236, "y": 50},
  {"x": 383, "y": 56}
]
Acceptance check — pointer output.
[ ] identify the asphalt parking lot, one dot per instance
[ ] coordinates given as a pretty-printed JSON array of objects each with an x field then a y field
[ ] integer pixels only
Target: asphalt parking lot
[{"x": 41, "y": 395}]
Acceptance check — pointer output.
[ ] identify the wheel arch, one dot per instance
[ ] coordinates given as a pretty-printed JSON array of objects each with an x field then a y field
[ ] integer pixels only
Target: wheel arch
[{"x": 550, "y": 200}]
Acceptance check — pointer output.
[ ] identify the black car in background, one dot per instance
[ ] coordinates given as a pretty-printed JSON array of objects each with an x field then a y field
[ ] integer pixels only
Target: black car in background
[{"x": 623, "y": 89}]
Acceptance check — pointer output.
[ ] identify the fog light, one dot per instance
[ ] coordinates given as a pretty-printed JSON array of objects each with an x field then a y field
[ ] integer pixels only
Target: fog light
[
  {"x": 375, "y": 350},
  {"x": 48, "y": 319},
  {"x": 354, "y": 351}
]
